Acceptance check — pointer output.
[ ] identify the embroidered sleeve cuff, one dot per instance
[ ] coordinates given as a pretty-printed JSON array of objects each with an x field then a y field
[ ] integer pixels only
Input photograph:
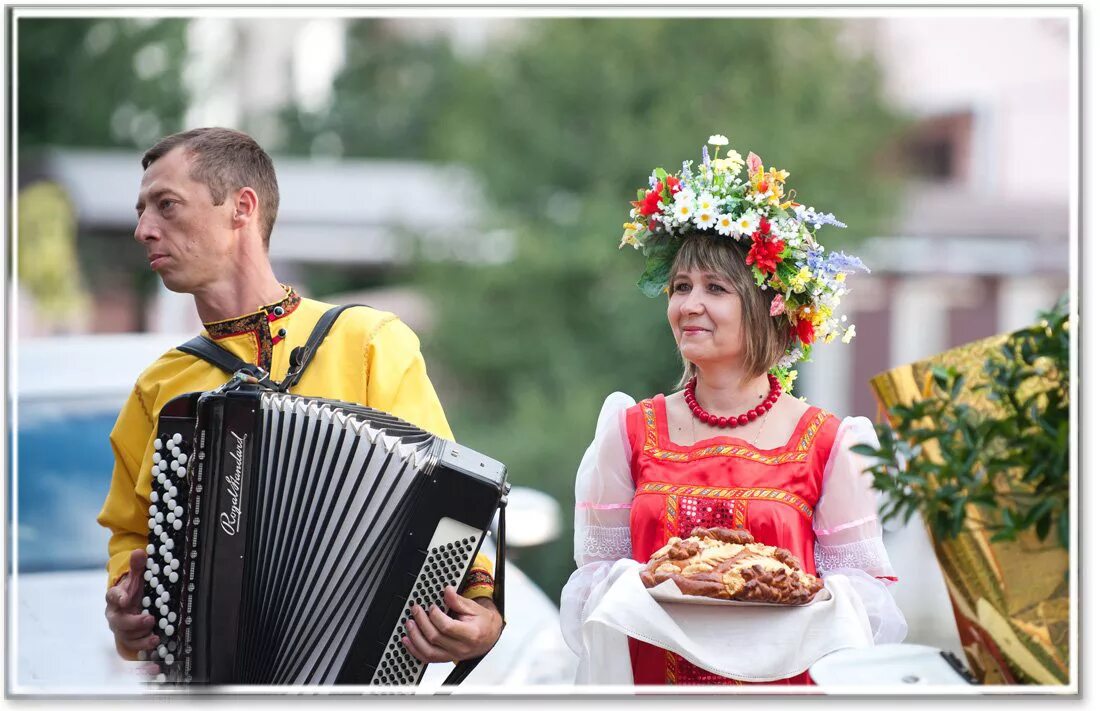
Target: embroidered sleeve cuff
[{"x": 478, "y": 583}]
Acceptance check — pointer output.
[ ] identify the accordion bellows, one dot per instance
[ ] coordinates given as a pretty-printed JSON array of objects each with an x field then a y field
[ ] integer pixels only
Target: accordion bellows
[{"x": 289, "y": 537}]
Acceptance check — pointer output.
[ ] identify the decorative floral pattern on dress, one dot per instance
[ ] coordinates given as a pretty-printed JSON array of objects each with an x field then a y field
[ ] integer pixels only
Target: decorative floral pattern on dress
[
  {"x": 738, "y": 199},
  {"x": 744, "y": 493},
  {"x": 800, "y": 454},
  {"x": 607, "y": 542}
]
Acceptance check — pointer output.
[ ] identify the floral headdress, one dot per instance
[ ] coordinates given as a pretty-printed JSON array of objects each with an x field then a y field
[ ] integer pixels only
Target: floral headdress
[{"x": 740, "y": 200}]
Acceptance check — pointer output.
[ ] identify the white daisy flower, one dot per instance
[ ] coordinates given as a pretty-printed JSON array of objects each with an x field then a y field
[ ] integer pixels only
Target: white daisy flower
[
  {"x": 747, "y": 223},
  {"x": 727, "y": 226},
  {"x": 683, "y": 207},
  {"x": 718, "y": 140},
  {"x": 705, "y": 203},
  {"x": 705, "y": 219},
  {"x": 849, "y": 334}
]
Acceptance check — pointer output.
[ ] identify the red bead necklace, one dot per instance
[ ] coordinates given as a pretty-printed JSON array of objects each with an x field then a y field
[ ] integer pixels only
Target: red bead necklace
[{"x": 738, "y": 421}]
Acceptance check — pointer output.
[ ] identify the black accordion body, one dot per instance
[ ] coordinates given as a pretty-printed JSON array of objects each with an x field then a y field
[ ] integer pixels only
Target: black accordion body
[{"x": 290, "y": 535}]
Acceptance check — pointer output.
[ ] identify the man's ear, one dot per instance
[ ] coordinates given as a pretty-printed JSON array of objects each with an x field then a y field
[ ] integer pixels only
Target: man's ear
[{"x": 246, "y": 207}]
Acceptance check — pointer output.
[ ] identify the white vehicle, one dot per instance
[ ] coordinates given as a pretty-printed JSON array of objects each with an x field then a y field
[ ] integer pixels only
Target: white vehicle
[{"x": 69, "y": 391}]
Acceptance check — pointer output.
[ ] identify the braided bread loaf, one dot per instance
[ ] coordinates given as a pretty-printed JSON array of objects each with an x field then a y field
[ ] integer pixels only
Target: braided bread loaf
[{"x": 728, "y": 564}]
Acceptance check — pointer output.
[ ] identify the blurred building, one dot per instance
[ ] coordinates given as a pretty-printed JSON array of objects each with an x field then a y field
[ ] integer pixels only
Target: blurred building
[{"x": 982, "y": 240}]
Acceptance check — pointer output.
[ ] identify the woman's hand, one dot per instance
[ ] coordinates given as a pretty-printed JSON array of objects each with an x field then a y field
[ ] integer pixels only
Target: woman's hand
[{"x": 472, "y": 629}]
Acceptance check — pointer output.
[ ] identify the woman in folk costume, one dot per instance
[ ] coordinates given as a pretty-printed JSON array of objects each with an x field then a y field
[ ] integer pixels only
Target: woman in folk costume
[{"x": 749, "y": 291}]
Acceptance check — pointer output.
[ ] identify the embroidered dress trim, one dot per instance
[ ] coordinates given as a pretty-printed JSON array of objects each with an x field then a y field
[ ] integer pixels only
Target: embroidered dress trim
[
  {"x": 746, "y": 494},
  {"x": 607, "y": 542},
  {"x": 868, "y": 554},
  {"x": 800, "y": 454}
]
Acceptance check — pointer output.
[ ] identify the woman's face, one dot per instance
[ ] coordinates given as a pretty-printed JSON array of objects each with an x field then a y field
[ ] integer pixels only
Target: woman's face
[{"x": 704, "y": 312}]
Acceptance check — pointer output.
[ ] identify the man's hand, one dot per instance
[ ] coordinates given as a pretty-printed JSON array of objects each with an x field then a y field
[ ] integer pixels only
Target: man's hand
[
  {"x": 133, "y": 629},
  {"x": 472, "y": 630}
]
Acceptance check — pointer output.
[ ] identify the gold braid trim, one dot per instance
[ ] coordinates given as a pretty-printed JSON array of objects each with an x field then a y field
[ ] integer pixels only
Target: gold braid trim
[{"x": 144, "y": 407}]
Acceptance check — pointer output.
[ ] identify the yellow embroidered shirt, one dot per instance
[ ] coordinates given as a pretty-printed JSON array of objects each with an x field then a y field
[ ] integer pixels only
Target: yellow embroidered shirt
[{"x": 368, "y": 357}]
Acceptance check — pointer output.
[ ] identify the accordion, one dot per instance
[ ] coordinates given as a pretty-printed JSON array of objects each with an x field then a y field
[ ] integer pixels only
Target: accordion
[{"x": 289, "y": 537}]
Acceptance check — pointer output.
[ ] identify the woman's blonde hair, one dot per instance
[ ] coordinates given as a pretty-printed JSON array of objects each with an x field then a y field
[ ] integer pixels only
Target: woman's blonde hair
[{"x": 765, "y": 337}]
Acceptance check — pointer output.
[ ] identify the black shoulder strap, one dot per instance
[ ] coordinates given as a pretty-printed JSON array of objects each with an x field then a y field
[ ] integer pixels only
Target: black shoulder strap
[
  {"x": 463, "y": 668},
  {"x": 206, "y": 349},
  {"x": 301, "y": 356}
]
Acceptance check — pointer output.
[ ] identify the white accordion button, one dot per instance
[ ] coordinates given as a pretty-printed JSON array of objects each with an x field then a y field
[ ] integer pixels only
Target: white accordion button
[
  {"x": 152, "y": 522},
  {"x": 162, "y": 650},
  {"x": 174, "y": 465},
  {"x": 170, "y": 517},
  {"x": 169, "y": 630},
  {"x": 160, "y": 588},
  {"x": 152, "y": 510},
  {"x": 161, "y": 678},
  {"x": 172, "y": 492},
  {"x": 171, "y": 617},
  {"x": 157, "y": 529},
  {"x": 176, "y": 452},
  {"x": 154, "y": 470},
  {"x": 157, "y": 444},
  {"x": 156, "y": 457},
  {"x": 163, "y": 465},
  {"x": 182, "y": 459},
  {"x": 145, "y": 601},
  {"x": 177, "y": 438},
  {"x": 163, "y": 623},
  {"x": 154, "y": 496},
  {"x": 148, "y": 575},
  {"x": 175, "y": 564},
  {"x": 178, "y": 511},
  {"x": 155, "y": 569},
  {"x": 173, "y": 577},
  {"x": 158, "y": 517},
  {"x": 160, "y": 475},
  {"x": 149, "y": 562},
  {"x": 177, "y": 524},
  {"x": 169, "y": 544},
  {"x": 181, "y": 472},
  {"x": 169, "y": 659}
]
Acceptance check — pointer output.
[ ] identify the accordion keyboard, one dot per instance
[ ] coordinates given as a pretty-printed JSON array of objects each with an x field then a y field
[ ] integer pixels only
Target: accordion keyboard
[
  {"x": 449, "y": 555},
  {"x": 167, "y": 534}
]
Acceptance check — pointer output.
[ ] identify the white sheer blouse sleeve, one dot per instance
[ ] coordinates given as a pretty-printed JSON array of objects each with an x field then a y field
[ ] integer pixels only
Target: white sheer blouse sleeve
[
  {"x": 601, "y": 533},
  {"x": 849, "y": 534}
]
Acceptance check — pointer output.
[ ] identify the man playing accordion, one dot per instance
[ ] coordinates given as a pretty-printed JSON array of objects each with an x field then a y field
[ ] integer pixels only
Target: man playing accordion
[{"x": 206, "y": 207}]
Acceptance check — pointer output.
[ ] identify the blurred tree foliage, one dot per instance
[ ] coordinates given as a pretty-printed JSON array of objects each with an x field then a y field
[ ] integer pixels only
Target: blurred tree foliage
[
  {"x": 102, "y": 82},
  {"x": 563, "y": 124}
]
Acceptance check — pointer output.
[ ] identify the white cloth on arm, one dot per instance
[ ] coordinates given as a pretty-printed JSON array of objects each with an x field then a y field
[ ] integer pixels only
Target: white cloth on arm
[
  {"x": 601, "y": 534},
  {"x": 849, "y": 535}
]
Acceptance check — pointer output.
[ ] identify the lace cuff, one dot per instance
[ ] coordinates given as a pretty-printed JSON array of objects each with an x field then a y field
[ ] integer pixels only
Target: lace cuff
[
  {"x": 606, "y": 542},
  {"x": 868, "y": 555}
]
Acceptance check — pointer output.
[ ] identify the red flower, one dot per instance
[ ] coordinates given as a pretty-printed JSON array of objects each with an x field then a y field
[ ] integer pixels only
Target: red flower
[
  {"x": 648, "y": 204},
  {"x": 765, "y": 227},
  {"x": 806, "y": 331},
  {"x": 765, "y": 252},
  {"x": 672, "y": 184}
]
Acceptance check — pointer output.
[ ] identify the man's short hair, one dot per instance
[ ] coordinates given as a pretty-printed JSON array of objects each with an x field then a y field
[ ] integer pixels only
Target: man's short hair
[{"x": 225, "y": 160}]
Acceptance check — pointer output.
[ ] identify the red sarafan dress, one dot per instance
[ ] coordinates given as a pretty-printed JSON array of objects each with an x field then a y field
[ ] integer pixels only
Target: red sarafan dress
[
  {"x": 636, "y": 489},
  {"x": 721, "y": 481}
]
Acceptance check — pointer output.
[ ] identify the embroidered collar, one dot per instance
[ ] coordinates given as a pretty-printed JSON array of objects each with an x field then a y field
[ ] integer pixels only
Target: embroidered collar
[{"x": 257, "y": 323}]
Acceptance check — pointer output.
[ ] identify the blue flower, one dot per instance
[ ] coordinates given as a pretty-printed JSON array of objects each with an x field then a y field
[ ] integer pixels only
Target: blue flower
[
  {"x": 816, "y": 219},
  {"x": 686, "y": 169},
  {"x": 706, "y": 159},
  {"x": 841, "y": 262}
]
